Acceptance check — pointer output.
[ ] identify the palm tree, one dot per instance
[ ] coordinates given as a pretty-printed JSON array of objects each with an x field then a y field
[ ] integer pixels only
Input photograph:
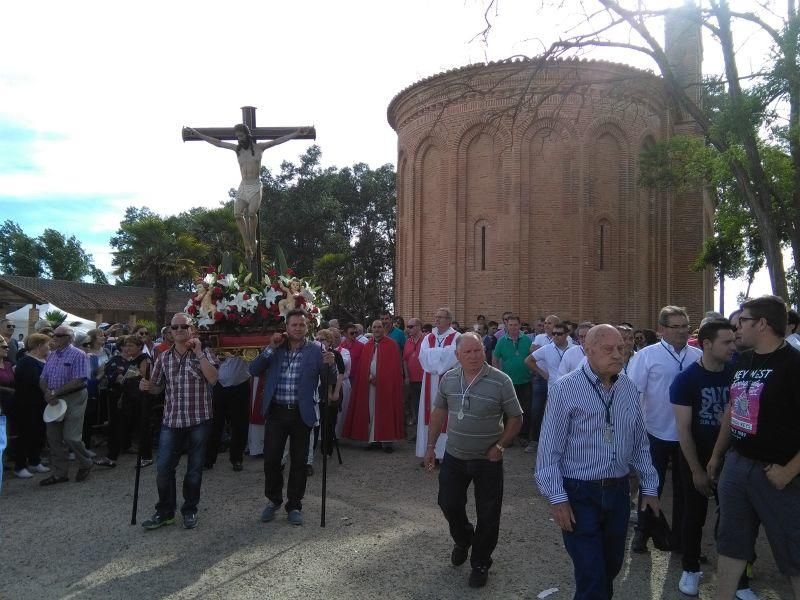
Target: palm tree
[{"x": 157, "y": 251}]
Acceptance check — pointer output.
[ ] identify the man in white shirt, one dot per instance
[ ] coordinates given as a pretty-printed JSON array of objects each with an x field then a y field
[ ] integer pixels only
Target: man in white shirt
[
  {"x": 542, "y": 339},
  {"x": 575, "y": 354},
  {"x": 546, "y": 360},
  {"x": 793, "y": 329},
  {"x": 653, "y": 369}
]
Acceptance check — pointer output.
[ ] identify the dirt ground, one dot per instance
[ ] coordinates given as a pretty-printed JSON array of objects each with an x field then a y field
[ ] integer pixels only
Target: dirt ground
[{"x": 385, "y": 538}]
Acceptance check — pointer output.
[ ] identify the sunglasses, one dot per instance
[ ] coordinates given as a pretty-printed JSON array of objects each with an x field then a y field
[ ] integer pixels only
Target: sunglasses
[
  {"x": 176, "y": 327},
  {"x": 10, "y": 326}
]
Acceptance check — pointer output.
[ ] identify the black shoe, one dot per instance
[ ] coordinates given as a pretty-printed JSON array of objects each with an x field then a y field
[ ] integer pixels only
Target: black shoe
[
  {"x": 237, "y": 466},
  {"x": 478, "y": 577},
  {"x": 190, "y": 520},
  {"x": 309, "y": 470},
  {"x": 388, "y": 448},
  {"x": 459, "y": 555},
  {"x": 372, "y": 446},
  {"x": 639, "y": 544},
  {"x": 208, "y": 467},
  {"x": 157, "y": 521}
]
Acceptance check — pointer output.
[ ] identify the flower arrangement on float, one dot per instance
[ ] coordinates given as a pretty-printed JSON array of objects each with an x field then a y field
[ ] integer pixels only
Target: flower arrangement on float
[{"x": 232, "y": 301}]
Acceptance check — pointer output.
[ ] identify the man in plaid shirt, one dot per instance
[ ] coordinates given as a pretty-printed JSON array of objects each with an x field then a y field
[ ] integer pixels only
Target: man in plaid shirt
[{"x": 187, "y": 371}]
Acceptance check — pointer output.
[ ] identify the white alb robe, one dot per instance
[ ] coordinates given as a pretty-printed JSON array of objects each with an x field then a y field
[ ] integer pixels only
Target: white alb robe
[{"x": 436, "y": 359}]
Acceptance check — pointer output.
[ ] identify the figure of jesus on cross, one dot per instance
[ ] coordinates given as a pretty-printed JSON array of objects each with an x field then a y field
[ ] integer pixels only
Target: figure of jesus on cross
[{"x": 248, "y": 152}]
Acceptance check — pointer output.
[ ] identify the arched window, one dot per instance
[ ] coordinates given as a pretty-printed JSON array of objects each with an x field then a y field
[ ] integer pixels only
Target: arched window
[
  {"x": 603, "y": 244},
  {"x": 481, "y": 245}
]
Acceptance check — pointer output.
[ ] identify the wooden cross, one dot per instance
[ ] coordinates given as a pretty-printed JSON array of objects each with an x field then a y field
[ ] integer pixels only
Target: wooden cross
[{"x": 257, "y": 133}]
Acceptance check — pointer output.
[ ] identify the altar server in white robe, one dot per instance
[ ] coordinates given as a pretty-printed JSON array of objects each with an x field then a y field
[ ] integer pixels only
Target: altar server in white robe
[{"x": 437, "y": 355}]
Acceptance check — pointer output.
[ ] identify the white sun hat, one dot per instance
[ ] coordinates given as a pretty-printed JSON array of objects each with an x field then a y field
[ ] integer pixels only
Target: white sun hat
[{"x": 55, "y": 412}]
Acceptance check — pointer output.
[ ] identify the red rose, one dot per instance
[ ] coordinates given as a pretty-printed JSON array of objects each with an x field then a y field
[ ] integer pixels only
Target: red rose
[
  {"x": 216, "y": 293},
  {"x": 245, "y": 296},
  {"x": 290, "y": 272},
  {"x": 274, "y": 309},
  {"x": 314, "y": 310},
  {"x": 276, "y": 286},
  {"x": 192, "y": 310},
  {"x": 263, "y": 311},
  {"x": 231, "y": 316},
  {"x": 272, "y": 272},
  {"x": 246, "y": 320},
  {"x": 300, "y": 299},
  {"x": 218, "y": 316}
]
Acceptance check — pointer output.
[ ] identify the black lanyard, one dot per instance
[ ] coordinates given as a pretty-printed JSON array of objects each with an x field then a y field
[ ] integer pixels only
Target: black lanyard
[
  {"x": 675, "y": 356},
  {"x": 608, "y": 405}
]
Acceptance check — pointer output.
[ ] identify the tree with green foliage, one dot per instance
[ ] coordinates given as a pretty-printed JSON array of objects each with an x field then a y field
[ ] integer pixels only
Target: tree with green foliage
[
  {"x": 156, "y": 251},
  {"x": 51, "y": 255}
]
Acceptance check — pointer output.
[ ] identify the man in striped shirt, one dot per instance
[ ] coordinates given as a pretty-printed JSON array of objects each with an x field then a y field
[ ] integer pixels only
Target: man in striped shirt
[
  {"x": 187, "y": 371},
  {"x": 592, "y": 431}
]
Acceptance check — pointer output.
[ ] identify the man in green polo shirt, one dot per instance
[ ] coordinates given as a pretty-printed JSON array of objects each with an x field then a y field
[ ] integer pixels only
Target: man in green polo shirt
[
  {"x": 475, "y": 399},
  {"x": 509, "y": 356}
]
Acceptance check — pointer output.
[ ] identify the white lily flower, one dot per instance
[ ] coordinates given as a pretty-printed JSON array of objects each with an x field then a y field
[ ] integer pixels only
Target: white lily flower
[
  {"x": 270, "y": 294},
  {"x": 210, "y": 279},
  {"x": 308, "y": 294},
  {"x": 230, "y": 282}
]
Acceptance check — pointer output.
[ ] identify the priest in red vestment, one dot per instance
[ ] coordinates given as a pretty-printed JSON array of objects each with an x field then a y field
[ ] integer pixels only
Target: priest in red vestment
[{"x": 376, "y": 402}]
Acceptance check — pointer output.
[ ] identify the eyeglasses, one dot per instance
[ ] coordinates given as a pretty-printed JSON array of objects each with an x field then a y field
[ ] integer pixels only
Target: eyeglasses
[
  {"x": 60, "y": 335},
  {"x": 678, "y": 327},
  {"x": 10, "y": 326},
  {"x": 176, "y": 327},
  {"x": 749, "y": 319}
]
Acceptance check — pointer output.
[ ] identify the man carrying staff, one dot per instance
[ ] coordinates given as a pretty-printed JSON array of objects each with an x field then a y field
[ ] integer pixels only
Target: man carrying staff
[
  {"x": 592, "y": 432},
  {"x": 248, "y": 196},
  {"x": 186, "y": 372},
  {"x": 292, "y": 366},
  {"x": 474, "y": 398}
]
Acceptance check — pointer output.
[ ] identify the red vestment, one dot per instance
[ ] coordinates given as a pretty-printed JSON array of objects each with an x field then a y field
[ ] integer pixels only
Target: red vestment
[{"x": 388, "y": 395}]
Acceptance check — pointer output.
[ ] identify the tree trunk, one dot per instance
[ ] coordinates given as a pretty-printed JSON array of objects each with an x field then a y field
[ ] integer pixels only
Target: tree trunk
[
  {"x": 722, "y": 292},
  {"x": 160, "y": 288}
]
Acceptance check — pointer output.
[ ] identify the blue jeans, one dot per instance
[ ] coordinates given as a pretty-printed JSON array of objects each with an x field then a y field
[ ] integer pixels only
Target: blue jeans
[
  {"x": 596, "y": 544},
  {"x": 170, "y": 445},
  {"x": 455, "y": 476},
  {"x": 538, "y": 402}
]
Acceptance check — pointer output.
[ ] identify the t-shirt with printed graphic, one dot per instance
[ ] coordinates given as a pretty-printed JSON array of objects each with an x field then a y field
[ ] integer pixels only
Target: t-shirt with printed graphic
[
  {"x": 706, "y": 392},
  {"x": 765, "y": 405}
]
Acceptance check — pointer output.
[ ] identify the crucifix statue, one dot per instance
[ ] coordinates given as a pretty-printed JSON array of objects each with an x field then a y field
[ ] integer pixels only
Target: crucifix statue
[{"x": 249, "y": 152}]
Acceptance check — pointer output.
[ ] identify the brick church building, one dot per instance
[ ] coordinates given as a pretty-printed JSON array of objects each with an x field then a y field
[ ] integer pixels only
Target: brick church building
[{"x": 517, "y": 190}]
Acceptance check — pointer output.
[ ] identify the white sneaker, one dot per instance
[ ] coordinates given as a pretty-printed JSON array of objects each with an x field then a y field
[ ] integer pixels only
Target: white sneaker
[
  {"x": 23, "y": 474},
  {"x": 40, "y": 468},
  {"x": 690, "y": 583},
  {"x": 746, "y": 594}
]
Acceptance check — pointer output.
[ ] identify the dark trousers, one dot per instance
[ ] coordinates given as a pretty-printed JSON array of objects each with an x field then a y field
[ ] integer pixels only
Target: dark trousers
[
  {"x": 538, "y": 402},
  {"x": 455, "y": 476},
  {"x": 231, "y": 404},
  {"x": 524, "y": 395},
  {"x": 663, "y": 452},
  {"x": 27, "y": 414},
  {"x": 122, "y": 416},
  {"x": 90, "y": 418},
  {"x": 416, "y": 391},
  {"x": 170, "y": 445},
  {"x": 596, "y": 543},
  {"x": 283, "y": 423}
]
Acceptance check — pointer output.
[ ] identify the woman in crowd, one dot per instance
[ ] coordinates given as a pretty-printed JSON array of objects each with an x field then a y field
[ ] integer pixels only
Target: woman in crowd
[
  {"x": 97, "y": 385},
  {"x": 123, "y": 374},
  {"x": 29, "y": 407}
]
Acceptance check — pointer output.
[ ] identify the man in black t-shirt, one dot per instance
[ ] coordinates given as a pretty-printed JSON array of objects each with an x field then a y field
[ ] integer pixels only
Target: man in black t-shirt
[{"x": 759, "y": 481}]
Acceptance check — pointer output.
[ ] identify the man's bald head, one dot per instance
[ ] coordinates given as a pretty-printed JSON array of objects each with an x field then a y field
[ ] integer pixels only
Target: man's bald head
[
  {"x": 604, "y": 350},
  {"x": 378, "y": 330}
]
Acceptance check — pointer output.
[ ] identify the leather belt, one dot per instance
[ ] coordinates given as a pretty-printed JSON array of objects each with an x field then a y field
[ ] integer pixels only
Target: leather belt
[
  {"x": 284, "y": 406},
  {"x": 610, "y": 481}
]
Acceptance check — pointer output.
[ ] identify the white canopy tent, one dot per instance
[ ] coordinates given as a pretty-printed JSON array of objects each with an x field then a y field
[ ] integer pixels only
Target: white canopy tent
[{"x": 20, "y": 318}]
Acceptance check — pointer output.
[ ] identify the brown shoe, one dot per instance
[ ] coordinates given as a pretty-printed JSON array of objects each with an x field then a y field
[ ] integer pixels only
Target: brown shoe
[{"x": 82, "y": 473}]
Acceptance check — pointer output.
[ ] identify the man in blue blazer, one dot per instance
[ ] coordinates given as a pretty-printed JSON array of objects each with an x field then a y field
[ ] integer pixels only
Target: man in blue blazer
[{"x": 292, "y": 366}]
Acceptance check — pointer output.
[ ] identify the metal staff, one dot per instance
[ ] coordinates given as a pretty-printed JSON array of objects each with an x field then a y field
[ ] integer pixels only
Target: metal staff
[
  {"x": 136, "y": 484},
  {"x": 323, "y": 421}
]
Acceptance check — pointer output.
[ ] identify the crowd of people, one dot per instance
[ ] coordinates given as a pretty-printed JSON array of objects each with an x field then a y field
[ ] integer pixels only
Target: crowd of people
[{"x": 607, "y": 409}]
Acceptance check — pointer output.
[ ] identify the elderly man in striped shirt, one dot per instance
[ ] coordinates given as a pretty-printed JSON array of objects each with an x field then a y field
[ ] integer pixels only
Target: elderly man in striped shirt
[
  {"x": 187, "y": 371},
  {"x": 592, "y": 431}
]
